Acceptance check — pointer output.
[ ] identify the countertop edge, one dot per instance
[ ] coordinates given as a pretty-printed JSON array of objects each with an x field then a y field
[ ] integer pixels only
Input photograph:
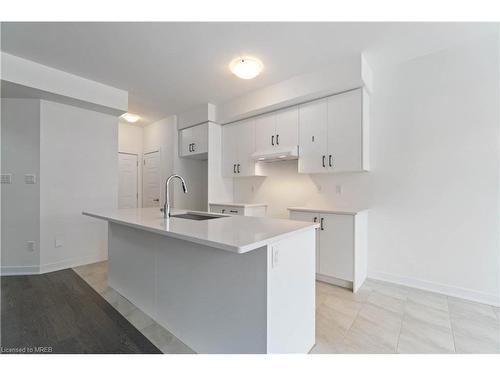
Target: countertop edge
[
  {"x": 217, "y": 245},
  {"x": 340, "y": 211}
]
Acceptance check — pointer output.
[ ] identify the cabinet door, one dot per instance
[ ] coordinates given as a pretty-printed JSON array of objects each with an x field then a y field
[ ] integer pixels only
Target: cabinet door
[
  {"x": 265, "y": 133},
  {"x": 287, "y": 128},
  {"x": 186, "y": 138},
  {"x": 336, "y": 246},
  {"x": 311, "y": 217},
  {"x": 199, "y": 139},
  {"x": 245, "y": 148},
  {"x": 312, "y": 136},
  {"x": 345, "y": 131},
  {"x": 230, "y": 134}
]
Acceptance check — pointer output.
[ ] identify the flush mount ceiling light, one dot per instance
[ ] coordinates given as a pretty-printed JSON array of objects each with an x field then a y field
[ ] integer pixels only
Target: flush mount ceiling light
[
  {"x": 130, "y": 117},
  {"x": 246, "y": 67}
]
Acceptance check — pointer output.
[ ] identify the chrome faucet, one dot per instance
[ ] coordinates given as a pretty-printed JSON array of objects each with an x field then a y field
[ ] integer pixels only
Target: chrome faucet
[{"x": 166, "y": 206}]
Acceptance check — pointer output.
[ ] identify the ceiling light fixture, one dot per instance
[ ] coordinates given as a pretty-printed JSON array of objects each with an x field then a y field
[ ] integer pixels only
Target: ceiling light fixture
[
  {"x": 130, "y": 117},
  {"x": 246, "y": 67}
]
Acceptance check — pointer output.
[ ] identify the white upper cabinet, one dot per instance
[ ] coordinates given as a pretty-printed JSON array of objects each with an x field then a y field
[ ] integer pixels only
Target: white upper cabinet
[
  {"x": 277, "y": 131},
  {"x": 265, "y": 133},
  {"x": 333, "y": 134},
  {"x": 193, "y": 142},
  {"x": 287, "y": 128},
  {"x": 345, "y": 125},
  {"x": 313, "y": 124},
  {"x": 238, "y": 145}
]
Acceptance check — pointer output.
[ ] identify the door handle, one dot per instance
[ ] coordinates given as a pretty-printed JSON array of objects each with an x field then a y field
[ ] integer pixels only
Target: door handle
[
  {"x": 272, "y": 140},
  {"x": 324, "y": 157},
  {"x": 322, "y": 224},
  {"x": 234, "y": 168},
  {"x": 330, "y": 160},
  {"x": 277, "y": 139},
  {"x": 238, "y": 168}
]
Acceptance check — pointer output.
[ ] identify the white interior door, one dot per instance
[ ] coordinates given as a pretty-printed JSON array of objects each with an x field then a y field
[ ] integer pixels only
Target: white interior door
[
  {"x": 151, "y": 180},
  {"x": 127, "y": 185}
]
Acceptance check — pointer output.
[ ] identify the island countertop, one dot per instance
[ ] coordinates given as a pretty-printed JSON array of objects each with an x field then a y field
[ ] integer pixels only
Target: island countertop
[{"x": 238, "y": 234}]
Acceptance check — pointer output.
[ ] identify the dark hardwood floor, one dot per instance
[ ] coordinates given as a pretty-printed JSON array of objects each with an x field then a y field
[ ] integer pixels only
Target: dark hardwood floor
[{"x": 60, "y": 312}]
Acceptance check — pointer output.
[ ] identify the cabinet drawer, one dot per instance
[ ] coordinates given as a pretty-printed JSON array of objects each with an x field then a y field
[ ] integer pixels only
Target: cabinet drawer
[{"x": 227, "y": 210}]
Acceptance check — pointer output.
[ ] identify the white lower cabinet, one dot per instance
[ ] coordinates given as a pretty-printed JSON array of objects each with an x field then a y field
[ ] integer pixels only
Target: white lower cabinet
[{"x": 341, "y": 257}]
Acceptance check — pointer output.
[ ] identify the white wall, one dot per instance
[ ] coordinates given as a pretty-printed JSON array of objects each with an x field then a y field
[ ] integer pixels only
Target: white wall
[
  {"x": 160, "y": 136},
  {"x": 62, "y": 86},
  {"x": 163, "y": 135},
  {"x": 434, "y": 182},
  {"x": 20, "y": 202},
  {"x": 79, "y": 171},
  {"x": 130, "y": 141}
]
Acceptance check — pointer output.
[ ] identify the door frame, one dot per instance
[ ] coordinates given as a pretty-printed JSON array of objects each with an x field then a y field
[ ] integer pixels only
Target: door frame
[{"x": 137, "y": 174}]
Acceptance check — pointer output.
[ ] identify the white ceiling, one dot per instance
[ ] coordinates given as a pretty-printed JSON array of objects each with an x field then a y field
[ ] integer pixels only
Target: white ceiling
[{"x": 170, "y": 67}]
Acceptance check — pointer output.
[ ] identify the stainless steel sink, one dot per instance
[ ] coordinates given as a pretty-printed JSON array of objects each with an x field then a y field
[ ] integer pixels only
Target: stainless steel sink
[{"x": 193, "y": 216}]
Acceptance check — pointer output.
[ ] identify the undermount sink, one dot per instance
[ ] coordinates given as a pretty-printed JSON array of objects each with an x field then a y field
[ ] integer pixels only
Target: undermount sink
[{"x": 191, "y": 216}]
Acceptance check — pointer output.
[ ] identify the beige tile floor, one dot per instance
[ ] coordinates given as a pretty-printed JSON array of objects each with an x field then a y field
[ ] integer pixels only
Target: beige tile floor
[{"x": 380, "y": 318}]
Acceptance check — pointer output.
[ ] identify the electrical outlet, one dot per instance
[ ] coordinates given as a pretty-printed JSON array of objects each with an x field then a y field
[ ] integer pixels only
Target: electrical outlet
[
  {"x": 338, "y": 189},
  {"x": 275, "y": 257},
  {"x": 30, "y": 179},
  {"x": 58, "y": 242},
  {"x": 6, "y": 178},
  {"x": 30, "y": 246}
]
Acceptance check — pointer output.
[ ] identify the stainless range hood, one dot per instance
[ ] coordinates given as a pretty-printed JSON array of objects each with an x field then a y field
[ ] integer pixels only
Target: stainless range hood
[{"x": 291, "y": 153}]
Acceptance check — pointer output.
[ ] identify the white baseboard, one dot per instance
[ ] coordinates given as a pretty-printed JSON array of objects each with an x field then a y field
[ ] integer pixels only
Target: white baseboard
[
  {"x": 452, "y": 291},
  {"x": 70, "y": 263},
  {"x": 50, "y": 267},
  {"x": 19, "y": 270}
]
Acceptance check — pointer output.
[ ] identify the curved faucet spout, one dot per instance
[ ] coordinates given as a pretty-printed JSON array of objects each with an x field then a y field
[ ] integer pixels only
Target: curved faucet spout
[{"x": 166, "y": 206}]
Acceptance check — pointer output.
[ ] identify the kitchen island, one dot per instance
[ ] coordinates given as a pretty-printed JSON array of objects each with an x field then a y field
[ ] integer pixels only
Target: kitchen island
[{"x": 221, "y": 284}]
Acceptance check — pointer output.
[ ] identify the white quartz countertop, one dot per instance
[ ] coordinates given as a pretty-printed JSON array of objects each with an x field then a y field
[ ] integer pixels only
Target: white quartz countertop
[
  {"x": 238, "y": 234},
  {"x": 328, "y": 210},
  {"x": 238, "y": 204}
]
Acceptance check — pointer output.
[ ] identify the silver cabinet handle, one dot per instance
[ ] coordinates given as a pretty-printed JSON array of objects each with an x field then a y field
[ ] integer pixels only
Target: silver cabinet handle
[
  {"x": 194, "y": 146},
  {"x": 324, "y": 157},
  {"x": 315, "y": 220},
  {"x": 156, "y": 200},
  {"x": 234, "y": 168},
  {"x": 238, "y": 168},
  {"x": 330, "y": 160},
  {"x": 277, "y": 139},
  {"x": 223, "y": 210},
  {"x": 233, "y": 211},
  {"x": 272, "y": 140},
  {"x": 322, "y": 224}
]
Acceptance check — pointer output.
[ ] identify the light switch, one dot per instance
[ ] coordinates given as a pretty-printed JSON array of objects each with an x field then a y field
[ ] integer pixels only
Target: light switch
[
  {"x": 6, "y": 178},
  {"x": 30, "y": 179},
  {"x": 275, "y": 257},
  {"x": 58, "y": 242},
  {"x": 30, "y": 246}
]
